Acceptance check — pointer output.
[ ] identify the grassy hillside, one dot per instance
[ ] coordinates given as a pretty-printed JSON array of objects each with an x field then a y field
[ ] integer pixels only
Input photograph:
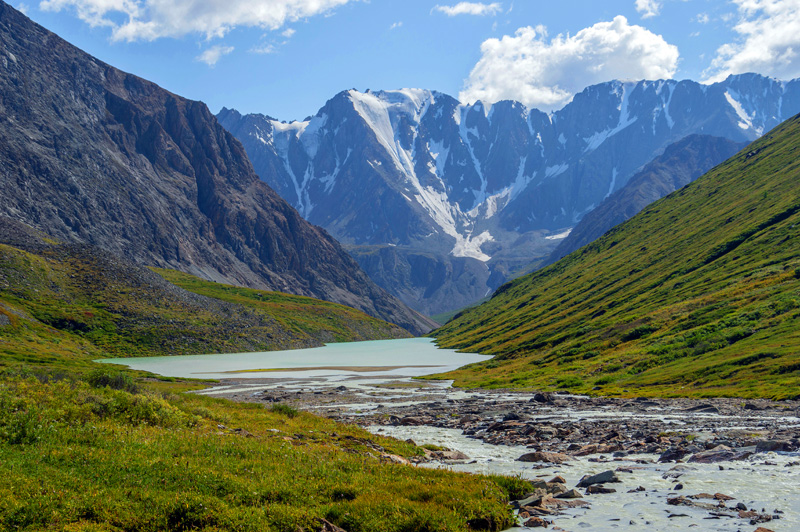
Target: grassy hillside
[
  {"x": 78, "y": 300},
  {"x": 699, "y": 294},
  {"x": 84, "y": 447}
]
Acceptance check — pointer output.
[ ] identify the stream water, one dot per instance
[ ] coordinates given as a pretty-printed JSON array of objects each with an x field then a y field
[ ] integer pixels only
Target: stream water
[
  {"x": 364, "y": 377},
  {"x": 763, "y": 482}
]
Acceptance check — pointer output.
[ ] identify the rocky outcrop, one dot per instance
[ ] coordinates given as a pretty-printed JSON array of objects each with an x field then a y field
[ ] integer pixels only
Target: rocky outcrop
[{"x": 93, "y": 155}]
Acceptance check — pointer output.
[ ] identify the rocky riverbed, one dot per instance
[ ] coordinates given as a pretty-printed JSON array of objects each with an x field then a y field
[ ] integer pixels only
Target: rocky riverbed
[{"x": 712, "y": 464}]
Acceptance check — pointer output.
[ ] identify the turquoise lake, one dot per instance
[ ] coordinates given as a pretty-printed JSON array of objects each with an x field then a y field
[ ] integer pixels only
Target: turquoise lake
[{"x": 390, "y": 358}]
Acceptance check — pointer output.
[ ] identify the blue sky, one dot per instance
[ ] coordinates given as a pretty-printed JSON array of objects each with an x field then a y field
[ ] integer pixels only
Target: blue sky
[{"x": 285, "y": 58}]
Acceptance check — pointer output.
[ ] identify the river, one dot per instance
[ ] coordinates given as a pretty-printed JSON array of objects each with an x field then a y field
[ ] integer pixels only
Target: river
[{"x": 366, "y": 382}]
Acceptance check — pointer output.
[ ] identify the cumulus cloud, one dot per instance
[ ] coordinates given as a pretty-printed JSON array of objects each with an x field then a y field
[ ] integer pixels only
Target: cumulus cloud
[
  {"x": 470, "y": 8},
  {"x": 213, "y": 54},
  {"x": 152, "y": 19},
  {"x": 288, "y": 32},
  {"x": 543, "y": 73},
  {"x": 396, "y": 25},
  {"x": 769, "y": 41},
  {"x": 648, "y": 8},
  {"x": 702, "y": 18}
]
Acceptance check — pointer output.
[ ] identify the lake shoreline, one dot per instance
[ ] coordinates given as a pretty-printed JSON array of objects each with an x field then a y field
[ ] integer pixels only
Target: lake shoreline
[{"x": 507, "y": 416}]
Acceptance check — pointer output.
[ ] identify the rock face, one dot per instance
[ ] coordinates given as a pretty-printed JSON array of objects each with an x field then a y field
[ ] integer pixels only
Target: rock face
[
  {"x": 680, "y": 164},
  {"x": 94, "y": 155},
  {"x": 420, "y": 173}
]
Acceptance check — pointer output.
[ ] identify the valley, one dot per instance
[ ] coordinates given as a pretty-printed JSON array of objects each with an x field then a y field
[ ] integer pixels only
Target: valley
[{"x": 222, "y": 321}]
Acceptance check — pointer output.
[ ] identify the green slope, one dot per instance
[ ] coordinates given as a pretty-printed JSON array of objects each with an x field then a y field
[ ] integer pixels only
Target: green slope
[
  {"x": 98, "y": 305},
  {"x": 85, "y": 447},
  {"x": 699, "y": 294}
]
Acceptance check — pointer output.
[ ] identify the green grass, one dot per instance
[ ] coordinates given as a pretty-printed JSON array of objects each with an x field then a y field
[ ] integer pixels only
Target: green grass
[
  {"x": 81, "y": 457},
  {"x": 304, "y": 317},
  {"x": 444, "y": 317},
  {"x": 85, "y": 447},
  {"x": 698, "y": 295},
  {"x": 81, "y": 300}
]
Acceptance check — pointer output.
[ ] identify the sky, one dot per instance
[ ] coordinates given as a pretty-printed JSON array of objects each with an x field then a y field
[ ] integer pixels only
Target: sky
[{"x": 286, "y": 58}]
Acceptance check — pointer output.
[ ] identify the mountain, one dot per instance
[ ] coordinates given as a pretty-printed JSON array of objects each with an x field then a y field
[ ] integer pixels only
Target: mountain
[
  {"x": 680, "y": 164},
  {"x": 698, "y": 294},
  {"x": 101, "y": 305},
  {"x": 482, "y": 192},
  {"x": 90, "y": 154}
]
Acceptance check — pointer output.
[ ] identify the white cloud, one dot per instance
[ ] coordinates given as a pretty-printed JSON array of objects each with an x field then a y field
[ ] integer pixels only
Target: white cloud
[
  {"x": 151, "y": 19},
  {"x": 546, "y": 74},
  {"x": 702, "y": 18},
  {"x": 22, "y": 8},
  {"x": 264, "y": 49},
  {"x": 470, "y": 8},
  {"x": 769, "y": 41},
  {"x": 396, "y": 25},
  {"x": 288, "y": 32},
  {"x": 213, "y": 54},
  {"x": 648, "y": 8}
]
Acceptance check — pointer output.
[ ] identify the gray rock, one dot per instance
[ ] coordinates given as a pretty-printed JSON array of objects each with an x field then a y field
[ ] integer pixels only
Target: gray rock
[
  {"x": 571, "y": 494},
  {"x": 764, "y": 446},
  {"x": 600, "y": 478},
  {"x": 541, "y": 456},
  {"x": 720, "y": 453}
]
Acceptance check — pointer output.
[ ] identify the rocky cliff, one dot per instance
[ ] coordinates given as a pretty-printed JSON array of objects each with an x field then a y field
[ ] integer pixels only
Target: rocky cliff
[{"x": 91, "y": 154}]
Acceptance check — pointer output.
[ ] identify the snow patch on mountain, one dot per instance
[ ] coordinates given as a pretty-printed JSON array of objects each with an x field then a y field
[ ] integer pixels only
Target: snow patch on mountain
[
  {"x": 559, "y": 236},
  {"x": 439, "y": 154},
  {"x": 552, "y": 171},
  {"x": 745, "y": 120},
  {"x": 613, "y": 182},
  {"x": 623, "y": 91},
  {"x": 469, "y": 246}
]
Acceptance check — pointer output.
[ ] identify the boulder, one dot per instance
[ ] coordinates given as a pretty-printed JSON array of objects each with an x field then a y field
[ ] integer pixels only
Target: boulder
[
  {"x": 672, "y": 455},
  {"x": 532, "y": 499},
  {"x": 394, "y": 459},
  {"x": 598, "y": 490},
  {"x": 600, "y": 478},
  {"x": 542, "y": 398},
  {"x": 721, "y": 453},
  {"x": 765, "y": 446},
  {"x": 542, "y": 456},
  {"x": 536, "y": 522},
  {"x": 449, "y": 455}
]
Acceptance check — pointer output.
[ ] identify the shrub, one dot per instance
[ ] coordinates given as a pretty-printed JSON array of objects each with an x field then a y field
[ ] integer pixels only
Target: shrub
[
  {"x": 286, "y": 410},
  {"x": 569, "y": 382},
  {"x": 116, "y": 380}
]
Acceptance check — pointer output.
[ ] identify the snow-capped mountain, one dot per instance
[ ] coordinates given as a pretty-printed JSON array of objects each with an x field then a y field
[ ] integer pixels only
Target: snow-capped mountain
[{"x": 419, "y": 171}]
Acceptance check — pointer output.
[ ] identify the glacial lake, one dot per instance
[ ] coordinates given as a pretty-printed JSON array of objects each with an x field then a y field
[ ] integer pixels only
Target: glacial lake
[{"x": 390, "y": 359}]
